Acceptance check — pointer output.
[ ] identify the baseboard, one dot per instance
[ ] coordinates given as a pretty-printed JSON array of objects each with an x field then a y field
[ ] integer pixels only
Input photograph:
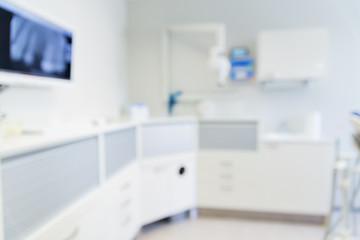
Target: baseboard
[{"x": 265, "y": 216}]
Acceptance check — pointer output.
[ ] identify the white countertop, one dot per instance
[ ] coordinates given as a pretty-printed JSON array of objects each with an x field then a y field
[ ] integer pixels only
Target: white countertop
[
  {"x": 13, "y": 145},
  {"x": 162, "y": 120},
  {"x": 229, "y": 119},
  {"x": 10, "y": 146},
  {"x": 293, "y": 138}
]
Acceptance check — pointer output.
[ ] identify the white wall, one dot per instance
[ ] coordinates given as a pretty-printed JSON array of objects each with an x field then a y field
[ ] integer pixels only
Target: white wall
[
  {"x": 335, "y": 97},
  {"x": 100, "y": 86}
]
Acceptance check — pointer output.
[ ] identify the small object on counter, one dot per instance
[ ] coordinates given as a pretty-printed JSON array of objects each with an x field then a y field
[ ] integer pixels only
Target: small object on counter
[
  {"x": 11, "y": 129},
  {"x": 99, "y": 122},
  {"x": 314, "y": 124},
  {"x": 283, "y": 127},
  {"x": 139, "y": 112}
]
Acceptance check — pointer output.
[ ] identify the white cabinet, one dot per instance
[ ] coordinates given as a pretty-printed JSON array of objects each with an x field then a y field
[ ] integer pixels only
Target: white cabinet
[
  {"x": 121, "y": 188},
  {"x": 82, "y": 221},
  {"x": 168, "y": 168},
  {"x": 183, "y": 183},
  {"x": 292, "y": 55},
  {"x": 229, "y": 164},
  {"x": 289, "y": 178},
  {"x": 86, "y": 186},
  {"x": 82, "y": 187},
  {"x": 168, "y": 187},
  {"x": 40, "y": 184},
  {"x": 297, "y": 177},
  {"x": 229, "y": 180},
  {"x": 121, "y": 203}
]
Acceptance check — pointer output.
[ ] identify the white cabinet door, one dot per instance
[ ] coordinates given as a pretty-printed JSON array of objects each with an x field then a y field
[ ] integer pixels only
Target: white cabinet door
[
  {"x": 89, "y": 227},
  {"x": 82, "y": 221},
  {"x": 296, "y": 177},
  {"x": 296, "y": 54},
  {"x": 183, "y": 180},
  {"x": 168, "y": 187},
  {"x": 155, "y": 195}
]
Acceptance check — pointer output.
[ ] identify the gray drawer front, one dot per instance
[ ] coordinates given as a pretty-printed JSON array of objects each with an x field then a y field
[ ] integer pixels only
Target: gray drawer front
[
  {"x": 120, "y": 150},
  {"x": 38, "y": 185},
  {"x": 228, "y": 136},
  {"x": 171, "y": 138}
]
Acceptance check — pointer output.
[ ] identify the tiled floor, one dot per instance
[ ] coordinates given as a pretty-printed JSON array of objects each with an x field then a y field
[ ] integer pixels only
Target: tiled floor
[{"x": 232, "y": 229}]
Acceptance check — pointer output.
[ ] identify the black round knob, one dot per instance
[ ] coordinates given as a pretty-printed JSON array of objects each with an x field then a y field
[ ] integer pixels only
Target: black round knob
[{"x": 182, "y": 171}]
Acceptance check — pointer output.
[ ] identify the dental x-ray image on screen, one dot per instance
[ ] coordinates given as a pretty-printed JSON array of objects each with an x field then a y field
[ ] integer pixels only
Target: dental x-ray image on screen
[{"x": 32, "y": 46}]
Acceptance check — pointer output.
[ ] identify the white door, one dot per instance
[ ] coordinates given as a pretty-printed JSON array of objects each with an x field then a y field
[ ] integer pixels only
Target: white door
[{"x": 297, "y": 177}]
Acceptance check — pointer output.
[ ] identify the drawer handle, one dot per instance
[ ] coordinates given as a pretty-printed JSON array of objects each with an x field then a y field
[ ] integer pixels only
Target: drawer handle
[
  {"x": 226, "y": 164},
  {"x": 73, "y": 234},
  {"x": 226, "y": 188},
  {"x": 227, "y": 176},
  {"x": 125, "y": 186},
  {"x": 126, "y": 221},
  {"x": 126, "y": 203},
  {"x": 273, "y": 145}
]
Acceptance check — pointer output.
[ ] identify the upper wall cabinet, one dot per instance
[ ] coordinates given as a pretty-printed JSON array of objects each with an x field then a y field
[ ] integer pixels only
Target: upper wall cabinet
[{"x": 292, "y": 55}]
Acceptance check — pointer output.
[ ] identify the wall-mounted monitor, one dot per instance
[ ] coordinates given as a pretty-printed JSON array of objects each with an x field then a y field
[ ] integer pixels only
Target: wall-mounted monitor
[{"x": 33, "y": 51}]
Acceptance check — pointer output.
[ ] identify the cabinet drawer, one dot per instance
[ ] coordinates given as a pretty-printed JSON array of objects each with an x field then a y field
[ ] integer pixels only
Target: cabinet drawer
[
  {"x": 122, "y": 218},
  {"x": 129, "y": 222},
  {"x": 80, "y": 222},
  {"x": 215, "y": 173},
  {"x": 217, "y": 196},
  {"x": 229, "y": 180},
  {"x": 228, "y": 196},
  {"x": 228, "y": 165},
  {"x": 122, "y": 204},
  {"x": 124, "y": 185},
  {"x": 123, "y": 201},
  {"x": 122, "y": 190}
]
